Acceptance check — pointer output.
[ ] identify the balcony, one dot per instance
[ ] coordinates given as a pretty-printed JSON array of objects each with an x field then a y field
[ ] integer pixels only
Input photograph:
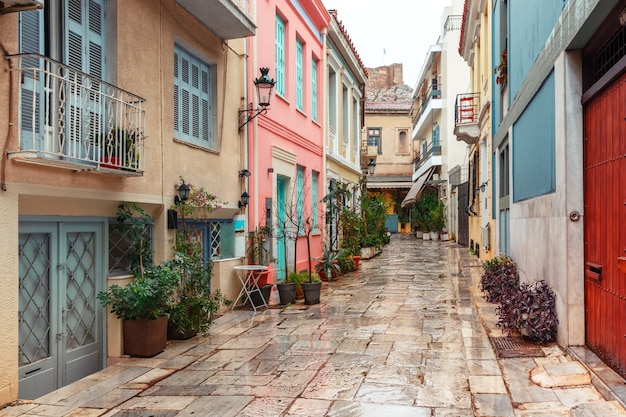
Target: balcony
[
  {"x": 226, "y": 18},
  {"x": 425, "y": 107},
  {"x": 466, "y": 115},
  {"x": 428, "y": 158},
  {"x": 69, "y": 119}
]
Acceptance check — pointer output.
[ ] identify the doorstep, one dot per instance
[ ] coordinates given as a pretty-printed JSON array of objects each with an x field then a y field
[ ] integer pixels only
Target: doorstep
[{"x": 608, "y": 382}]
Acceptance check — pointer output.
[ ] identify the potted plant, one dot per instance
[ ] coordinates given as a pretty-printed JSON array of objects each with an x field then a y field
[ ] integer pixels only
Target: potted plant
[
  {"x": 142, "y": 305},
  {"x": 193, "y": 304},
  {"x": 312, "y": 289},
  {"x": 328, "y": 265},
  {"x": 287, "y": 290},
  {"x": 437, "y": 218},
  {"x": 121, "y": 148}
]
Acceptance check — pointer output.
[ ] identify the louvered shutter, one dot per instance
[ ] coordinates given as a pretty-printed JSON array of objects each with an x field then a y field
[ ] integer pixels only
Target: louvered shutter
[
  {"x": 31, "y": 31},
  {"x": 299, "y": 75},
  {"x": 280, "y": 56},
  {"x": 314, "y": 89},
  {"x": 192, "y": 104}
]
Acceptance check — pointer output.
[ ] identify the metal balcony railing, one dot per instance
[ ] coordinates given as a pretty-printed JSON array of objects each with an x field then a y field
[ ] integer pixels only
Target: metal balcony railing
[
  {"x": 73, "y": 120},
  {"x": 425, "y": 155},
  {"x": 419, "y": 106},
  {"x": 466, "y": 108}
]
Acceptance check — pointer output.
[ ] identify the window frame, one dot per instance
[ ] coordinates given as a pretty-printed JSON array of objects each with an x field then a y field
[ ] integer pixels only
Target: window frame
[{"x": 206, "y": 137}]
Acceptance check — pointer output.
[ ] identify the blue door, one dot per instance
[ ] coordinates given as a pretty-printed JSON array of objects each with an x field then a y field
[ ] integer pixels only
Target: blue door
[
  {"x": 281, "y": 228},
  {"x": 61, "y": 327}
]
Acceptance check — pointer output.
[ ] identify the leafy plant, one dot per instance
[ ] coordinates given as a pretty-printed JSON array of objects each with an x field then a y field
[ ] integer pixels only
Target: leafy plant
[
  {"x": 192, "y": 304},
  {"x": 502, "y": 68},
  {"x": 329, "y": 262},
  {"x": 258, "y": 246},
  {"x": 132, "y": 221},
  {"x": 199, "y": 204},
  {"x": 148, "y": 297},
  {"x": 531, "y": 309},
  {"x": 345, "y": 262},
  {"x": 499, "y": 278}
]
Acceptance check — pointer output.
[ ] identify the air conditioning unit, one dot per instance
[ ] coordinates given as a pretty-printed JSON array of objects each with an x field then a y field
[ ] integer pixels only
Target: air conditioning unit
[{"x": 13, "y": 6}]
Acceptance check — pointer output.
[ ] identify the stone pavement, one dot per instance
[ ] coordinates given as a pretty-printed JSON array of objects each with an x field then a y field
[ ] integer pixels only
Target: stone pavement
[{"x": 407, "y": 335}]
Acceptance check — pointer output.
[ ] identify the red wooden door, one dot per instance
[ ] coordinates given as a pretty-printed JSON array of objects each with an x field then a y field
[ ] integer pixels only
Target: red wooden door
[{"x": 605, "y": 224}]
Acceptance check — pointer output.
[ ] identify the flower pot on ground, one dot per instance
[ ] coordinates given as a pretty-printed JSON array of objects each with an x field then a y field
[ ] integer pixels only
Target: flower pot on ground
[
  {"x": 434, "y": 235},
  {"x": 356, "y": 259},
  {"x": 444, "y": 236},
  {"x": 145, "y": 338},
  {"x": 287, "y": 292},
  {"x": 426, "y": 235},
  {"x": 144, "y": 301},
  {"x": 328, "y": 266},
  {"x": 312, "y": 292}
]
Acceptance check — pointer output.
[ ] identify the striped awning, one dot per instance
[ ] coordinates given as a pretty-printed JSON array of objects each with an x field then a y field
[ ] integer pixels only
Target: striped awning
[{"x": 417, "y": 188}]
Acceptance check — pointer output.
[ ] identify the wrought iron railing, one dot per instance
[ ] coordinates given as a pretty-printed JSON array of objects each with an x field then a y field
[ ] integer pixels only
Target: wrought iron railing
[
  {"x": 426, "y": 155},
  {"x": 466, "y": 108},
  {"x": 69, "y": 118}
]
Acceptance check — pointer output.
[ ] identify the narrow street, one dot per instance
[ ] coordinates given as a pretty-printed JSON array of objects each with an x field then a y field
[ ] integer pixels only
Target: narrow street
[{"x": 400, "y": 337}]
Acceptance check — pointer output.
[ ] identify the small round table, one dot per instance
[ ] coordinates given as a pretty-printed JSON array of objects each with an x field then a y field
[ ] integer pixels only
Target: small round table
[{"x": 250, "y": 282}]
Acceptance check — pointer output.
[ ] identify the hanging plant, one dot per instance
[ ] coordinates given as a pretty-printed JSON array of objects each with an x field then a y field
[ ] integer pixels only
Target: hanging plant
[
  {"x": 502, "y": 69},
  {"x": 200, "y": 203}
]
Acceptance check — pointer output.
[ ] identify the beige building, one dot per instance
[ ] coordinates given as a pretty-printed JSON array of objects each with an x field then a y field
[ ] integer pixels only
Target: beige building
[
  {"x": 387, "y": 148},
  {"x": 346, "y": 78},
  {"x": 106, "y": 107},
  {"x": 437, "y": 153},
  {"x": 473, "y": 125}
]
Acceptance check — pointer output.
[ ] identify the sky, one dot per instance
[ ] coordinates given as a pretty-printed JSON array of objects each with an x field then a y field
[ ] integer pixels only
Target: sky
[{"x": 392, "y": 31}]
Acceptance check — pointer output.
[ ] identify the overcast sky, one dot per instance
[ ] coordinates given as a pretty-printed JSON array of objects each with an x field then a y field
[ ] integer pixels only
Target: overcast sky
[{"x": 392, "y": 31}]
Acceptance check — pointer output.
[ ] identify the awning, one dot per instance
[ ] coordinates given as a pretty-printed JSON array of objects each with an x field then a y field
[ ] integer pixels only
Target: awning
[{"x": 417, "y": 188}]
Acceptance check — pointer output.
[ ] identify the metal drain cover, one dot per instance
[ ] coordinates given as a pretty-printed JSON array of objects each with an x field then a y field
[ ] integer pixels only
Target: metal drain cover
[{"x": 515, "y": 347}]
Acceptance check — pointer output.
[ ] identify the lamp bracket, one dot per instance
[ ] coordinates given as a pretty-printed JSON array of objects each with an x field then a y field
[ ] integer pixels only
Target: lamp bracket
[{"x": 250, "y": 114}]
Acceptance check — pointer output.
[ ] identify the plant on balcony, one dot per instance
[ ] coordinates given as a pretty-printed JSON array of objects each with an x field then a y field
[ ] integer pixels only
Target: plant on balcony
[
  {"x": 502, "y": 69},
  {"x": 199, "y": 204},
  {"x": 121, "y": 148}
]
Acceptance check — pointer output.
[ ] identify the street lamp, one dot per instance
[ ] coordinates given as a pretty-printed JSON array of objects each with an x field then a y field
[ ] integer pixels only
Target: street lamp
[{"x": 264, "y": 86}]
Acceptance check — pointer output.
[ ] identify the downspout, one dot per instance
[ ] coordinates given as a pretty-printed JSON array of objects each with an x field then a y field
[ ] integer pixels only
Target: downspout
[
  {"x": 3, "y": 162},
  {"x": 323, "y": 92}
]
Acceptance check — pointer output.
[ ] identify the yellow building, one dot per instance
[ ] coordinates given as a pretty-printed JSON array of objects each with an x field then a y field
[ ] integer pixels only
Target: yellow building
[
  {"x": 115, "y": 101},
  {"x": 473, "y": 125}
]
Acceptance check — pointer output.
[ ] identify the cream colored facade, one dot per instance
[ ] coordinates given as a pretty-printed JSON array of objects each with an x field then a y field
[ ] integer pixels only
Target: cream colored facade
[
  {"x": 444, "y": 75},
  {"x": 345, "y": 80},
  {"x": 475, "y": 47},
  {"x": 140, "y": 44}
]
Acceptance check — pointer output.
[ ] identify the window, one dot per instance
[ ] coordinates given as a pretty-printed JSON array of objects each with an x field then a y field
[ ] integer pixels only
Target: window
[
  {"x": 332, "y": 100},
  {"x": 193, "y": 101},
  {"x": 403, "y": 143},
  {"x": 314, "y": 207},
  {"x": 300, "y": 198},
  {"x": 345, "y": 109},
  {"x": 299, "y": 75},
  {"x": 374, "y": 139},
  {"x": 216, "y": 237},
  {"x": 121, "y": 247},
  {"x": 504, "y": 215},
  {"x": 314, "y": 89},
  {"x": 280, "y": 56}
]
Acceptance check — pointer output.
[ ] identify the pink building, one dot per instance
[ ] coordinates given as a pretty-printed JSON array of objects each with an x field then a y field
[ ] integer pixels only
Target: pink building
[{"x": 285, "y": 145}]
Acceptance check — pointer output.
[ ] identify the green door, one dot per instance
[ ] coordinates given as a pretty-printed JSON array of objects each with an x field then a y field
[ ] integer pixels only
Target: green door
[{"x": 281, "y": 220}]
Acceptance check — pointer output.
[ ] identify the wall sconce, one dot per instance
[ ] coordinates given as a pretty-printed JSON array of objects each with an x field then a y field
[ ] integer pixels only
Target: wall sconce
[
  {"x": 264, "y": 86},
  {"x": 244, "y": 173},
  {"x": 245, "y": 199},
  {"x": 371, "y": 166},
  {"x": 482, "y": 187},
  {"x": 183, "y": 192},
  {"x": 270, "y": 170}
]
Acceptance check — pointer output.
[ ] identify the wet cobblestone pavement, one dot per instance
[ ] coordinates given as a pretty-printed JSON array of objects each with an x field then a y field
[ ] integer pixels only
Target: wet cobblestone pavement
[{"x": 406, "y": 335}]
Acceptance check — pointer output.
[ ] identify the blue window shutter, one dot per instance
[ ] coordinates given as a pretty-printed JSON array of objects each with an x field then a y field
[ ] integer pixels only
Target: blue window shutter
[
  {"x": 31, "y": 40},
  {"x": 314, "y": 89},
  {"x": 280, "y": 56},
  {"x": 314, "y": 199},
  {"x": 300, "y": 197},
  {"x": 299, "y": 76},
  {"x": 192, "y": 99},
  {"x": 85, "y": 37}
]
